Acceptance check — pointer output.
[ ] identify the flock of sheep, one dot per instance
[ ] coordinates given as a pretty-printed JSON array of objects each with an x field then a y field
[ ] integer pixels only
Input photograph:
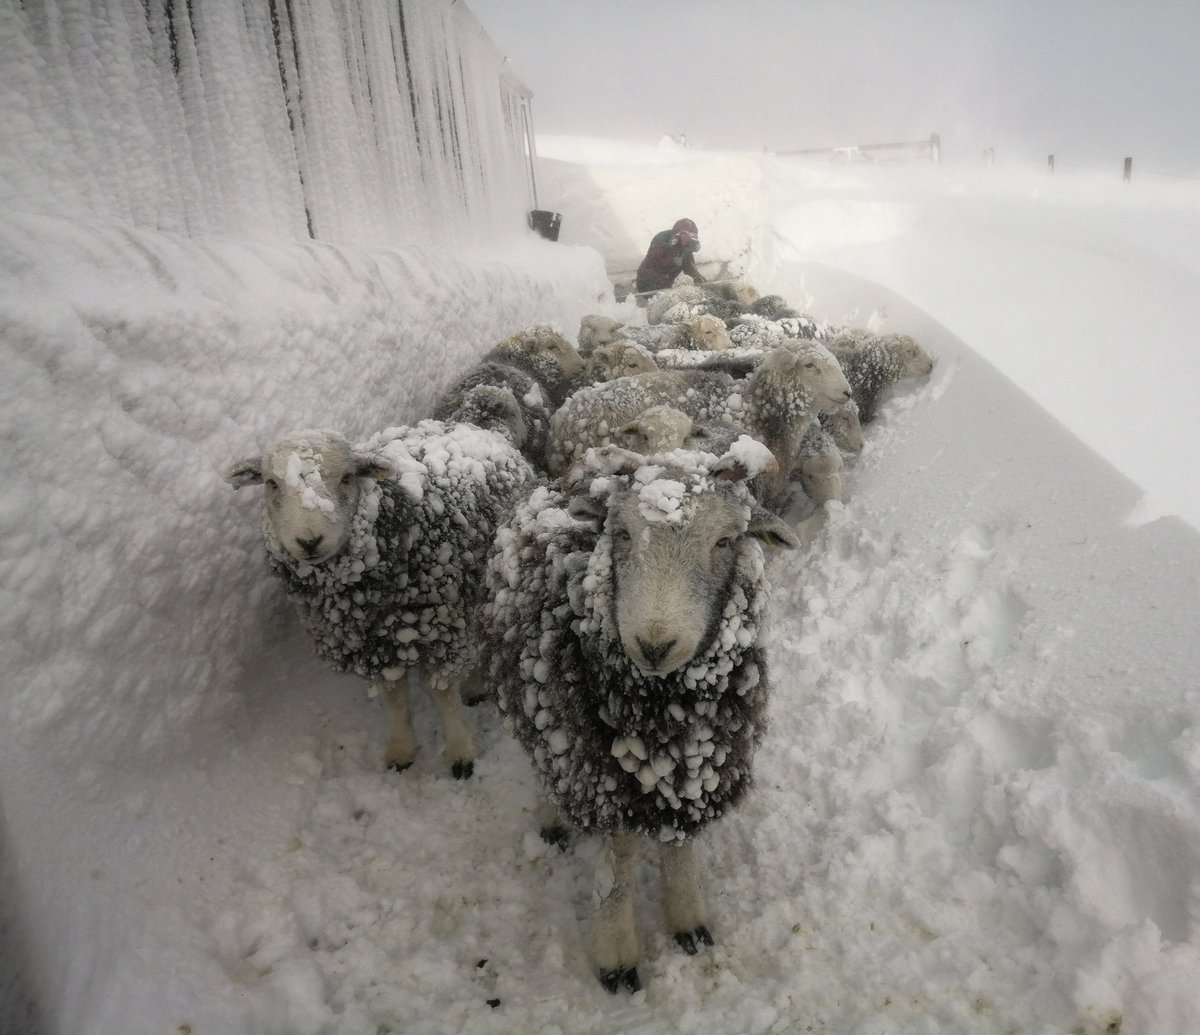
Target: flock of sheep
[{"x": 577, "y": 534}]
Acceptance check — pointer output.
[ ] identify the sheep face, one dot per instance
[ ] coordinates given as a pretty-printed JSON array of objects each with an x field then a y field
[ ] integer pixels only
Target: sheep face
[
  {"x": 817, "y": 369},
  {"x": 709, "y": 332},
  {"x": 620, "y": 359},
  {"x": 656, "y": 430},
  {"x": 557, "y": 349},
  {"x": 312, "y": 482},
  {"x": 676, "y": 540},
  {"x": 914, "y": 360},
  {"x": 744, "y": 294},
  {"x": 845, "y": 427},
  {"x": 595, "y": 330}
]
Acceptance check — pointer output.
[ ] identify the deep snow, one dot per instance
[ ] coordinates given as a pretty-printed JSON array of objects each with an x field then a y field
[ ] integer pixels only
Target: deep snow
[{"x": 977, "y": 805}]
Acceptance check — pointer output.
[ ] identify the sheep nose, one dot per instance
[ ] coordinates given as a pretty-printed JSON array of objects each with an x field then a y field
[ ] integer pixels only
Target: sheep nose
[
  {"x": 654, "y": 653},
  {"x": 309, "y": 546}
]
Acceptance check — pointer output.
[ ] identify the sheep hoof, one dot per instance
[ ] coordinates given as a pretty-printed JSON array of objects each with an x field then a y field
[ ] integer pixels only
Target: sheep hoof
[
  {"x": 690, "y": 941},
  {"x": 463, "y": 770},
  {"x": 398, "y": 767},
  {"x": 623, "y": 977},
  {"x": 557, "y": 835}
]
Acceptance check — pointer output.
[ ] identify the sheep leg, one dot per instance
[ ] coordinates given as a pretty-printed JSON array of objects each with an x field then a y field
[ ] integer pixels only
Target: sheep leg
[
  {"x": 614, "y": 937},
  {"x": 460, "y": 743},
  {"x": 687, "y": 918},
  {"x": 402, "y": 738},
  {"x": 474, "y": 689},
  {"x": 550, "y": 825}
]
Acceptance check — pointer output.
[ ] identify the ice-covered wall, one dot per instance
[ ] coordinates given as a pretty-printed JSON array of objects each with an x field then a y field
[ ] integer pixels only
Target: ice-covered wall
[
  {"x": 164, "y": 310},
  {"x": 343, "y": 120}
]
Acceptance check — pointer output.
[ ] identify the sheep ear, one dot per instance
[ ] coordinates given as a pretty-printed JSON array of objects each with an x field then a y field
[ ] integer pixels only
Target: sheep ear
[
  {"x": 372, "y": 465},
  {"x": 244, "y": 472},
  {"x": 771, "y": 529}
]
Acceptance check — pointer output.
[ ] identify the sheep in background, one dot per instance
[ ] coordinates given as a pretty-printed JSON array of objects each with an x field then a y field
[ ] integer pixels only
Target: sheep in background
[
  {"x": 819, "y": 466},
  {"x": 751, "y": 331},
  {"x": 382, "y": 548},
  {"x": 618, "y": 359},
  {"x": 874, "y": 363},
  {"x": 596, "y": 330},
  {"x": 705, "y": 333},
  {"x": 684, "y": 293},
  {"x": 492, "y": 408},
  {"x": 732, "y": 291},
  {"x": 775, "y": 403},
  {"x": 539, "y": 366},
  {"x": 623, "y": 640},
  {"x": 658, "y": 429},
  {"x": 664, "y": 429},
  {"x": 844, "y": 427}
]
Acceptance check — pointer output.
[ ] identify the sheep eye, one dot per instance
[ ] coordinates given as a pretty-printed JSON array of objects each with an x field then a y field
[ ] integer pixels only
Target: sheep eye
[
  {"x": 622, "y": 536},
  {"x": 272, "y": 484},
  {"x": 810, "y": 365},
  {"x": 725, "y": 542},
  {"x": 347, "y": 478}
]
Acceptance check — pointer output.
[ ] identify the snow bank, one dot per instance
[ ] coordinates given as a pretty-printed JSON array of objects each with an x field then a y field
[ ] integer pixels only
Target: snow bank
[{"x": 140, "y": 363}]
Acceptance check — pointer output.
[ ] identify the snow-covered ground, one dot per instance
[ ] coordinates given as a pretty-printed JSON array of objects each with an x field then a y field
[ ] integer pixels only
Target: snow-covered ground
[{"x": 978, "y": 805}]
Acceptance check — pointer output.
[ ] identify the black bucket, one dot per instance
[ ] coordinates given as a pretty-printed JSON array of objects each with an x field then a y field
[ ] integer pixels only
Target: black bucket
[{"x": 545, "y": 223}]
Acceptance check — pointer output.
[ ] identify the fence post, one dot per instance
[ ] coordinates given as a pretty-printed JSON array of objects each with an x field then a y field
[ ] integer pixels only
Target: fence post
[
  {"x": 935, "y": 147},
  {"x": 989, "y": 155},
  {"x": 1128, "y": 169},
  {"x": 1050, "y": 162}
]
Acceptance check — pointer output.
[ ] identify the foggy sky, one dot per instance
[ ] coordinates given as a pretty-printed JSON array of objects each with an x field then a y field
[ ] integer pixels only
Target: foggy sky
[{"x": 1090, "y": 82}]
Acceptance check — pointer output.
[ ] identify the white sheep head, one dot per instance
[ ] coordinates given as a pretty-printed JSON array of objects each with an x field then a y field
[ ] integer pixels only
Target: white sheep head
[
  {"x": 545, "y": 344},
  {"x": 658, "y": 429},
  {"x": 745, "y": 294},
  {"x": 312, "y": 482},
  {"x": 814, "y": 366},
  {"x": 710, "y": 332},
  {"x": 621, "y": 359},
  {"x": 913, "y": 360},
  {"x": 596, "y": 330},
  {"x": 845, "y": 427},
  {"x": 677, "y": 526}
]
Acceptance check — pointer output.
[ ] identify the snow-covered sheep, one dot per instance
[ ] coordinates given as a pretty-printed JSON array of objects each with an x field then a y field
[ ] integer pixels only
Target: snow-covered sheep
[
  {"x": 596, "y": 330},
  {"x": 873, "y": 364},
  {"x": 658, "y": 429},
  {"x": 819, "y": 466},
  {"x": 844, "y": 427},
  {"x": 703, "y": 332},
  {"x": 539, "y": 366},
  {"x": 732, "y": 290},
  {"x": 493, "y": 408},
  {"x": 618, "y": 359},
  {"x": 678, "y": 298},
  {"x": 382, "y": 548},
  {"x": 775, "y": 403},
  {"x": 759, "y": 332},
  {"x": 624, "y": 625},
  {"x": 663, "y": 429}
]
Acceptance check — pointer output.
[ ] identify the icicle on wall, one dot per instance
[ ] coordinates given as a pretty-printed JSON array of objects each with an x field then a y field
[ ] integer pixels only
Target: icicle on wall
[{"x": 359, "y": 121}]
